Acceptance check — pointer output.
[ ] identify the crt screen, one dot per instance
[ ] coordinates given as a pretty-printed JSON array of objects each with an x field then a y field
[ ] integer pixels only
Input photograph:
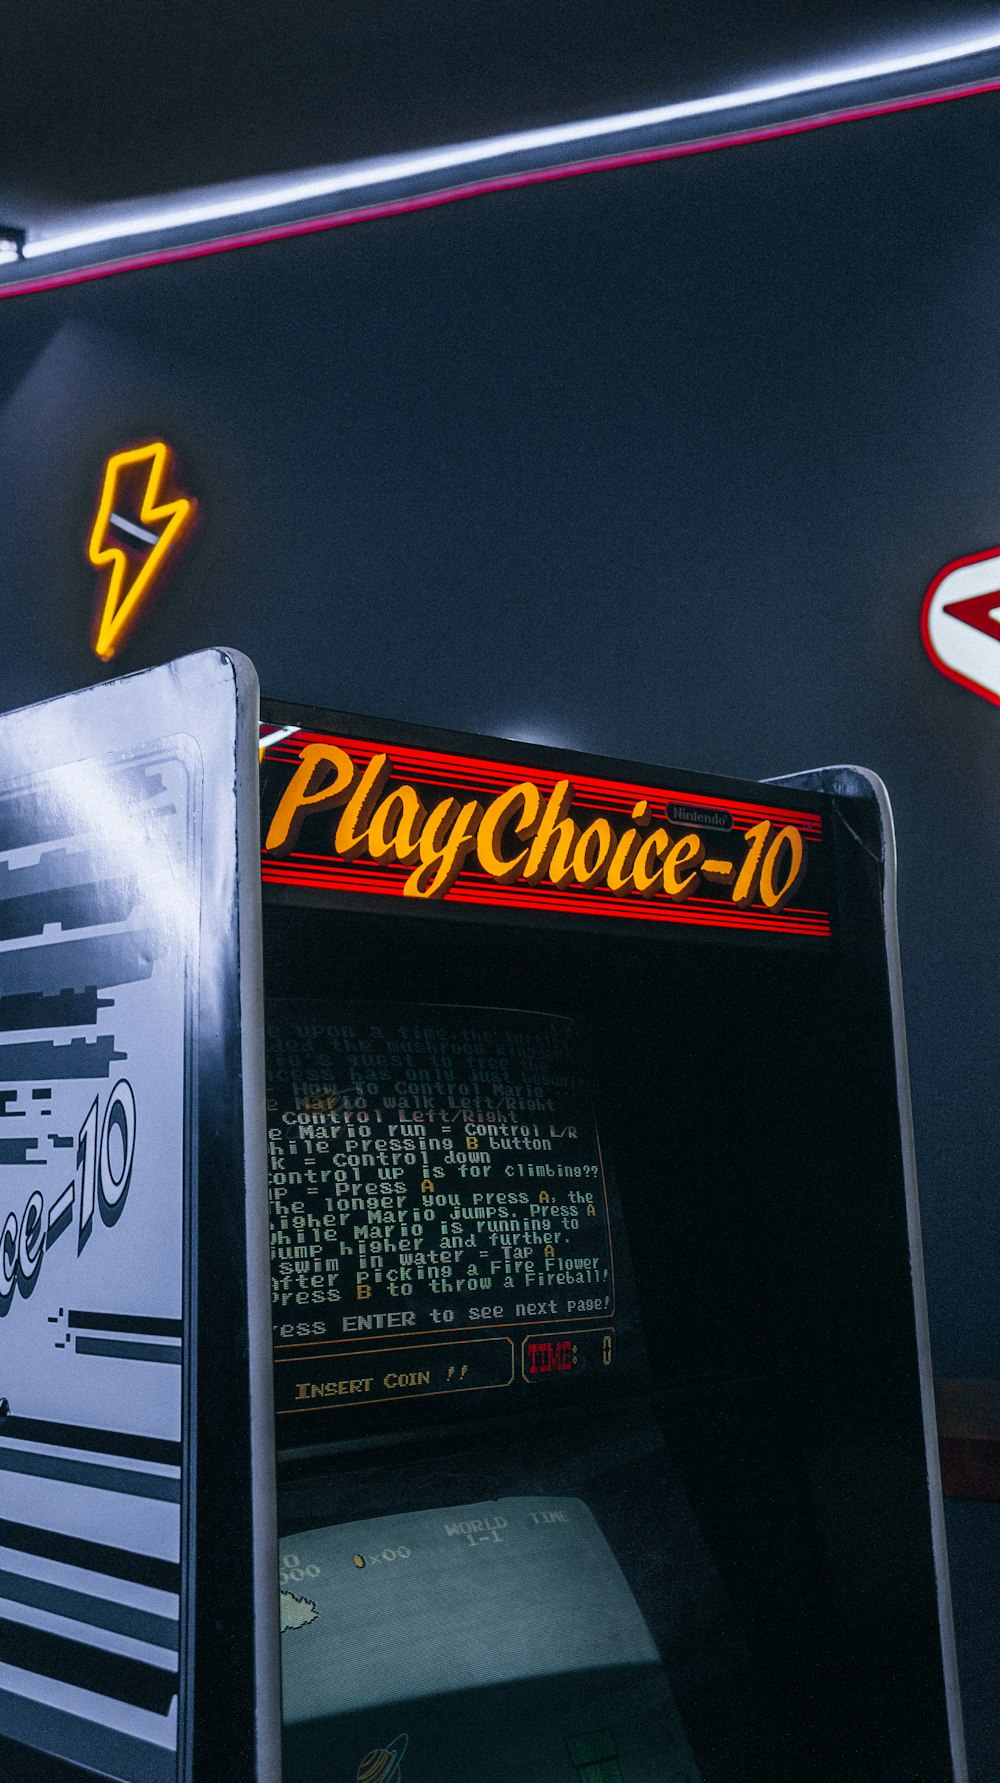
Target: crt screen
[{"x": 440, "y": 1216}]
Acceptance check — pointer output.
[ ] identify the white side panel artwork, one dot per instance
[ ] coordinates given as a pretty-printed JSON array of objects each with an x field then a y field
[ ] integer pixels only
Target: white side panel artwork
[{"x": 102, "y": 881}]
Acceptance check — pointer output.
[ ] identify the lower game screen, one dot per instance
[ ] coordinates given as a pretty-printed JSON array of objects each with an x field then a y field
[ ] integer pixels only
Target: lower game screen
[
  {"x": 488, "y": 1562},
  {"x": 599, "y": 1449}
]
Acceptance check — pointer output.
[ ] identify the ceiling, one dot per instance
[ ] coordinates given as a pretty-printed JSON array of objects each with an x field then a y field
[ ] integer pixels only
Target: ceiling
[{"x": 109, "y": 99}]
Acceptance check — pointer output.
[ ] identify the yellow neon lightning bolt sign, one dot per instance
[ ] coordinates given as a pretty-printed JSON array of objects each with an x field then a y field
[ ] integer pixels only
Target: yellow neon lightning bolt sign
[{"x": 133, "y": 534}]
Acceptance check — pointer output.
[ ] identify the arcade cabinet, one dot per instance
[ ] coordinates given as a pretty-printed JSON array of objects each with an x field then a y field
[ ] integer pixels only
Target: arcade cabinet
[{"x": 584, "y": 1409}]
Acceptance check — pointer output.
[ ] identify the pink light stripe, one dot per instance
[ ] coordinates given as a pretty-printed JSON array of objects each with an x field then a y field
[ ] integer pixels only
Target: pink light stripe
[
  {"x": 388, "y": 876},
  {"x": 499, "y": 183},
  {"x": 361, "y": 884},
  {"x": 653, "y": 915},
  {"x": 693, "y": 910}
]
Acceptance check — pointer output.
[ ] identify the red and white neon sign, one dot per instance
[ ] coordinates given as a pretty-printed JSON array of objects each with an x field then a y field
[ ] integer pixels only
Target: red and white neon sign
[{"x": 960, "y": 623}]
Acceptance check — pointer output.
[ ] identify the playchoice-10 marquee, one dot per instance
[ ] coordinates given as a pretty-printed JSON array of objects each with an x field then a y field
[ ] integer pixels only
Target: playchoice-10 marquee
[{"x": 376, "y": 818}]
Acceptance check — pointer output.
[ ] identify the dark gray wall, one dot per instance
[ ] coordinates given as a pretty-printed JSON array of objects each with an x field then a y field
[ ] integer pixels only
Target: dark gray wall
[{"x": 656, "y": 463}]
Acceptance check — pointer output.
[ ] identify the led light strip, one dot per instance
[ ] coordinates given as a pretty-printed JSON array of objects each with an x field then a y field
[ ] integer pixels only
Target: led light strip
[{"x": 495, "y": 163}]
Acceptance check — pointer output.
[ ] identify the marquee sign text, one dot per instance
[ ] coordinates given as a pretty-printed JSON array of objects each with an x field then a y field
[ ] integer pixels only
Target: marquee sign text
[{"x": 429, "y": 826}]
